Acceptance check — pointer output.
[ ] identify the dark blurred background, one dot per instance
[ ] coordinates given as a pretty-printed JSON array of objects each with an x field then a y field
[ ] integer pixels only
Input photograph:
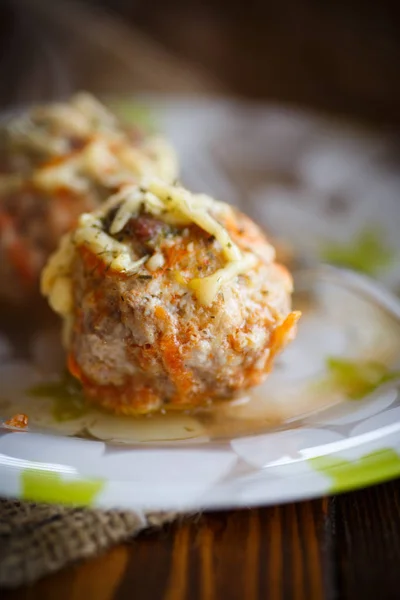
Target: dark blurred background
[{"x": 340, "y": 56}]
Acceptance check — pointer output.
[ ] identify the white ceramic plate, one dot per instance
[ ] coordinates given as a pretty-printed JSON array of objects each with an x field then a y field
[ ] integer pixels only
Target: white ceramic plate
[{"x": 328, "y": 418}]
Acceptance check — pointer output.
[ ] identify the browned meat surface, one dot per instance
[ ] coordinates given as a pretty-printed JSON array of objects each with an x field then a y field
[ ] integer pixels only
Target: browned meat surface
[{"x": 144, "y": 340}]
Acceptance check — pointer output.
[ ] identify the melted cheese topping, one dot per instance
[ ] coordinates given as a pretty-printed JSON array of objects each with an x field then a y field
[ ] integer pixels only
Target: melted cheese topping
[
  {"x": 63, "y": 175},
  {"x": 45, "y": 128},
  {"x": 114, "y": 254},
  {"x": 157, "y": 261},
  {"x": 195, "y": 209},
  {"x": 56, "y": 277},
  {"x": 108, "y": 157},
  {"x": 56, "y": 283},
  {"x": 93, "y": 111},
  {"x": 174, "y": 205},
  {"x": 178, "y": 206},
  {"x": 207, "y": 288},
  {"x": 165, "y": 162},
  {"x": 107, "y": 162}
]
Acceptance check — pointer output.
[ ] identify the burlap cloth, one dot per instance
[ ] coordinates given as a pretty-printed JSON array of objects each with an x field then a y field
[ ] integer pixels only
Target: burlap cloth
[{"x": 39, "y": 539}]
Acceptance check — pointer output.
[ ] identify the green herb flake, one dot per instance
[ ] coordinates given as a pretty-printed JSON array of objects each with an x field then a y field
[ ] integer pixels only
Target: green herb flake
[{"x": 145, "y": 277}]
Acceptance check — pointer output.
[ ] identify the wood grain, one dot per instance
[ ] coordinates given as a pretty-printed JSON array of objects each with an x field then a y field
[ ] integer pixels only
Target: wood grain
[
  {"x": 367, "y": 543},
  {"x": 268, "y": 553},
  {"x": 96, "y": 578},
  {"x": 342, "y": 548}
]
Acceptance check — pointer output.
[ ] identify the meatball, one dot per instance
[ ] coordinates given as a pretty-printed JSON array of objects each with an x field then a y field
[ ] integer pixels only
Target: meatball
[
  {"x": 170, "y": 300},
  {"x": 57, "y": 162},
  {"x": 53, "y": 131}
]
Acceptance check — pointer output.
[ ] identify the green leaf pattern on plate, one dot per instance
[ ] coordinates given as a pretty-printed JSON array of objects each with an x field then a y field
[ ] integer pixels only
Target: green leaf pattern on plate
[
  {"x": 374, "y": 467},
  {"x": 46, "y": 486}
]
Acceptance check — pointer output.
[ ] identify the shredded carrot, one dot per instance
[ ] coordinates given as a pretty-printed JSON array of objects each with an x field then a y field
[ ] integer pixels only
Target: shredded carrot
[
  {"x": 161, "y": 313},
  {"x": 174, "y": 364},
  {"x": 18, "y": 252},
  {"x": 92, "y": 262},
  {"x": 282, "y": 335},
  {"x": 73, "y": 367},
  {"x": 54, "y": 161},
  {"x": 19, "y": 421},
  {"x": 174, "y": 255},
  {"x": 172, "y": 358}
]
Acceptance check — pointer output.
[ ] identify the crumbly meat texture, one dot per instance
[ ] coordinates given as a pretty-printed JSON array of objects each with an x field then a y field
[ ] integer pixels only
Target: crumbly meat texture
[
  {"x": 31, "y": 224},
  {"x": 56, "y": 162},
  {"x": 143, "y": 342}
]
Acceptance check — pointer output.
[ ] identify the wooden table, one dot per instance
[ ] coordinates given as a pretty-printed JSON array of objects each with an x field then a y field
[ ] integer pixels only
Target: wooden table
[{"x": 347, "y": 547}]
